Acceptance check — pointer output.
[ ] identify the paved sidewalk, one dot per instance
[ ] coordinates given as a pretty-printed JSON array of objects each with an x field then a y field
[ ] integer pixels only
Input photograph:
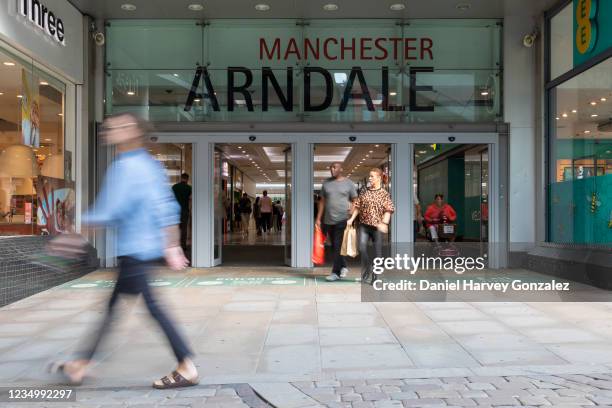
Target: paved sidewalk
[
  {"x": 477, "y": 391},
  {"x": 490, "y": 391},
  {"x": 300, "y": 341}
]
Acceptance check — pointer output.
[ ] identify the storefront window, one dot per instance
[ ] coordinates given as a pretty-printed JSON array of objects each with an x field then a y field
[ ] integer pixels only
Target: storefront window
[
  {"x": 36, "y": 184},
  {"x": 430, "y": 71},
  {"x": 580, "y": 185}
]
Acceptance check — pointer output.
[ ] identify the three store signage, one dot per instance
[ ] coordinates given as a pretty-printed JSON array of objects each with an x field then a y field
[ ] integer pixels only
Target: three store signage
[
  {"x": 330, "y": 49},
  {"x": 43, "y": 18}
]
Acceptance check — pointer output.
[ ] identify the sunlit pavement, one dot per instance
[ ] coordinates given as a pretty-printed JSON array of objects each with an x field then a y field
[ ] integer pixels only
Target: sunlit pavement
[{"x": 300, "y": 341}]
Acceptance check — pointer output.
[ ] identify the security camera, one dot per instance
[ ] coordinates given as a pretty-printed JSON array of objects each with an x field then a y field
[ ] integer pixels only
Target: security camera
[
  {"x": 154, "y": 139},
  {"x": 529, "y": 39},
  {"x": 252, "y": 138},
  {"x": 99, "y": 38},
  {"x": 451, "y": 138},
  {"x": 352, "y": 138}
]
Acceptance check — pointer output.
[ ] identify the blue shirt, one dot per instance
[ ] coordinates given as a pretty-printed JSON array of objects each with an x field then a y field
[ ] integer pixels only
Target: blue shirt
[{"x": 136, "y": 199}]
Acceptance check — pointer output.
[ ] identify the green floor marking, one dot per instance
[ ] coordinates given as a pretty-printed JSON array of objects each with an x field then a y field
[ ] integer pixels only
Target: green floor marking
[{"x": 202, "y": 282}]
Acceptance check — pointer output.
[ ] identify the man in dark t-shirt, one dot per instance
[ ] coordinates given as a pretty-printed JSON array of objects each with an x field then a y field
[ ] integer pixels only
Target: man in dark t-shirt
[
  {"x": 335, "y": 204},
  {"x": 182, "y": 192}
]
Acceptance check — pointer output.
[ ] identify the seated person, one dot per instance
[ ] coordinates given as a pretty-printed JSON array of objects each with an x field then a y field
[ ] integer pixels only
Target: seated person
[{"x": 437, "y": 213}]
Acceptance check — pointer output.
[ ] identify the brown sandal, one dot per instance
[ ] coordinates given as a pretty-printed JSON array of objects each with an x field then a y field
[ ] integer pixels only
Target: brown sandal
[{"x": 175, "y": 381}]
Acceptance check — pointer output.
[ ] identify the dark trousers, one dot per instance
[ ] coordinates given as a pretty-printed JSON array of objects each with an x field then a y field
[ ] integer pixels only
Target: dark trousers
[
  {"x": 336, "y": 234},
  {"x": 367, "y": 233},
  {"x": 133, "y": 280},
  {"x": 266, "y": 221},
  {"x": 184, "y": 228},
  {"x": 258, "y": 224}
]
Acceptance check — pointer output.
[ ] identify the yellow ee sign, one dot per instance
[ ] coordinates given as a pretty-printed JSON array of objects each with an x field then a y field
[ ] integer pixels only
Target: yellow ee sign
[{"x": 586, "y": 31}]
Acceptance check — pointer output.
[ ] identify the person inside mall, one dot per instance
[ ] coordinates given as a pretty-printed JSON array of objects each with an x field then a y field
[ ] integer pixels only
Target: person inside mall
[
  {"x": 135, "y": 199},
  {"x": 439, "y": 213},
  {"x": 374, "y": 208},
  {"x": 335, "y": 205},
  {"x": 182, "y": 192}
]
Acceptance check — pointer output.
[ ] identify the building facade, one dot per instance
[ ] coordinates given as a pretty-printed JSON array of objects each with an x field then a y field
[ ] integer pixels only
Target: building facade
[
  {"x": 506, "y": 112},
  {"x": 43, "y": 138}
]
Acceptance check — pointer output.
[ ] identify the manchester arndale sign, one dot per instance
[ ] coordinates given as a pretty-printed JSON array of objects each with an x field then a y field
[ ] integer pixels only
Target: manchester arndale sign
[
  {"x": 352, "y": 86},
  {"x": 43, "y": 18}
]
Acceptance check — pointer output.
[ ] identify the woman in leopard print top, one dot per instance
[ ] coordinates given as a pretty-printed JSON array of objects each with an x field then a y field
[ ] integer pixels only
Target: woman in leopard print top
[{"x": 374, "y": 207}]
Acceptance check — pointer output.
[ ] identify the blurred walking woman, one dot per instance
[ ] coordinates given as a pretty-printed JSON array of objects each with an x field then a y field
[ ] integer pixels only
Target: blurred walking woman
[
  {"x": 374, "y": 208},
  {"x": 135, "y": 198}
]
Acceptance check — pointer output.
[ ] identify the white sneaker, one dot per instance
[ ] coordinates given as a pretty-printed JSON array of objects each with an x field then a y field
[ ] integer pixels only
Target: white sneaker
[
  {"x": 332, "y": 277},
  {"x": 344, "y": 272}
]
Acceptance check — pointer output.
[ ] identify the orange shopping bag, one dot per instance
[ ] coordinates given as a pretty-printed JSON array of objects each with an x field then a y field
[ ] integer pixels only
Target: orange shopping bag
[{"x": 318, "y": 247}]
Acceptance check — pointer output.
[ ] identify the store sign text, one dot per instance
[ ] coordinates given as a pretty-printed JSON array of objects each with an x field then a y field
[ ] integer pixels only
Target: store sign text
[
  {"x": 330, "y": 49},
  {"x": 43, "y": 18},
  {"x": 333, "y": 49},
  {"x": 286, "y": 97}
]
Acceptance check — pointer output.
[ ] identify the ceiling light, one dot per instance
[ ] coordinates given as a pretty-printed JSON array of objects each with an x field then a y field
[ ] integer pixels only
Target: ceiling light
[
  {"x": 463, "y": 6},
  {"x": 197, "y": 100},
  {"x": 9, "y": 63},
  {"x": 422, "y": 151},
  {"x": 176, "y": 75},
  {"x": 195, "y": 7},
  {"x": 392, "y": 93},
  {"x": 244, "y": 151},
  {"x": 574, "y": 111},
  {"x": 376, "y": 145},
  {"x": 371, "y": 151},
  {"x": 367, "y": 155},
  {"x": 47, "y": 140},
  {"x": 564, "y": 115},
  {"x": 43, "y": 83},
  {"x": 60, "y": 114},
  {"x": 330, "y": 7},
  {"x": 20, "y": 96},
  {"x": 397, "y": 7},
  {"x": 262, "y": 7},
  {"x": 128, "y": 7},
  {"x": 130, "y": 93},
  {"x": 1, "y": 93},
  {"x": 594, "y": 115},
  {"x": 340, "y": 78},
  {"x": 603, "y": 99},
  {"x": 593, "y": 103},
  {"x": 587, "y": 131},
  {"x": 557, "y": 118}
]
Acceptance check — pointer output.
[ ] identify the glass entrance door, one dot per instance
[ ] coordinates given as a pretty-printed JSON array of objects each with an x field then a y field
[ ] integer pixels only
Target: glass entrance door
[
  {"x": 287, "y": 210},
  {"x": 219, "y": 207},
  {"x": 452, "y": 197},
  {"x": 177, "y": 160}
]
